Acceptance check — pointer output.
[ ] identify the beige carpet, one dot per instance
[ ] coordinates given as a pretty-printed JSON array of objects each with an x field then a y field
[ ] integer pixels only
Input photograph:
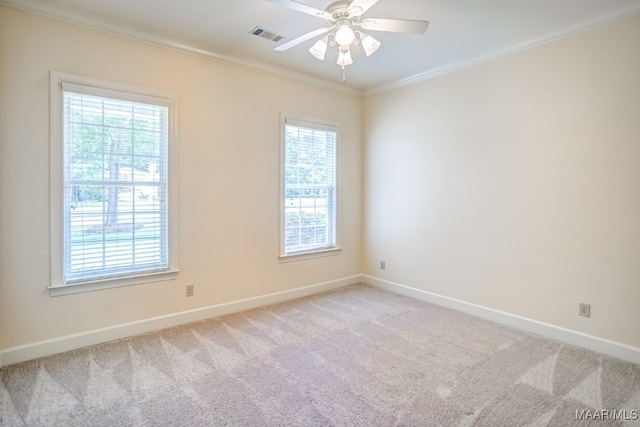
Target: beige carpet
[{"x": 353, "y": 357}]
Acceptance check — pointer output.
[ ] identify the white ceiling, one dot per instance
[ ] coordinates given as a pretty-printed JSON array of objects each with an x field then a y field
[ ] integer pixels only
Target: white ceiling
[{"x": 461, "y": 32}]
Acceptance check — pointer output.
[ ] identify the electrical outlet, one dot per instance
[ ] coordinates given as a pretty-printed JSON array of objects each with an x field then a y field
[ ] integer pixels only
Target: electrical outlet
[
  {"x": 585, "y": 310},
  {"x": 383, "y": 265},
  {"x": 189, "y": 290}
]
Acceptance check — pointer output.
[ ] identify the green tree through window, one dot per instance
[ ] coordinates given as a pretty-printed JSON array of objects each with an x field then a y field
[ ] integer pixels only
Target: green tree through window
[
  {"x": 115, "y": 184},
  {"x": 309, "y": 187}
]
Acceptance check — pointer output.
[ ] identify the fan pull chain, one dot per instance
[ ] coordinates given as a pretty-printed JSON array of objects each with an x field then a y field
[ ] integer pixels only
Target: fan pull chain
[{"x": 344, "y": 74}]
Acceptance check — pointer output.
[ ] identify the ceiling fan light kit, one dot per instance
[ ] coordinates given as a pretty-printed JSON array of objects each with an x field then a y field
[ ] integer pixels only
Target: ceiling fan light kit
[
  {"x": 319, "y": 48},
  {"x": 344, "y": 56},
  {"x": 344, "y": 34},
  {"x": 369, "y": 44},
  {"x": 344, "y": 18}
]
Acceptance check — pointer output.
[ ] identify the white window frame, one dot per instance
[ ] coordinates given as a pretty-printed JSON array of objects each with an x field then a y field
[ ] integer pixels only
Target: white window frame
[
  {"x": 107, "y": 89},
  {"x": 334, "y": 248}
]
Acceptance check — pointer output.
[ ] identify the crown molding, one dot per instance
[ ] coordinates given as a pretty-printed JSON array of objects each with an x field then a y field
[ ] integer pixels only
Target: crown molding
[
  {"x": 598, "y": 20},
  {"x": 111, "y": 27},
  {"x": 74, "y": 17}
]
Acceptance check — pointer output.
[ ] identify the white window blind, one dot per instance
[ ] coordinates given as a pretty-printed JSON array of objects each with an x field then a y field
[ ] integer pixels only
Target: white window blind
[
  {"x": 309, "y": 219},
  {"x": 115, "y": 184}
]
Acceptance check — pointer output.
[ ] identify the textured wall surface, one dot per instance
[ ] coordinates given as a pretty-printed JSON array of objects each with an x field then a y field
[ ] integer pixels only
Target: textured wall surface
[
  {"x": 515, "y": 184},
  {"x": 229, "y": 172}
]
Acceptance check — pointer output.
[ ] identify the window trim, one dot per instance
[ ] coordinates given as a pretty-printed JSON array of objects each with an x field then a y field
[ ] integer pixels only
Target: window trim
[
  {"x": 105, "y": 88},
  {"x": 322, "y": 124}
]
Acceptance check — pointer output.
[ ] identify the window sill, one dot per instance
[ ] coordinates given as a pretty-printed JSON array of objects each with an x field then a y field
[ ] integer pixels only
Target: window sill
[
  {"x": 310, "y": 255},
  {"x": 59, "y": 290}
]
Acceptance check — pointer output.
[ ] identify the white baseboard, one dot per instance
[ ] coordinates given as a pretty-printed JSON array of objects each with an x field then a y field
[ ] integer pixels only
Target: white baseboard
[
  {"x": 590, "y": 342},
  {"x": 75, "y": 341},
  {"x": 70, "y": 342}
]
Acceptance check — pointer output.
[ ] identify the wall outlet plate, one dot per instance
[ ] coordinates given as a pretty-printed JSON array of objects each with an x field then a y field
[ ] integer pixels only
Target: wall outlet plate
[
  {"x": 585, "y": 310},
  {"x": 189, "y": 290}
]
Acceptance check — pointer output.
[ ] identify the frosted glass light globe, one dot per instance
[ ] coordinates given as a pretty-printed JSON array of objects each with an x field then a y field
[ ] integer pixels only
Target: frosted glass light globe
[{"x": 345, "y": 35}]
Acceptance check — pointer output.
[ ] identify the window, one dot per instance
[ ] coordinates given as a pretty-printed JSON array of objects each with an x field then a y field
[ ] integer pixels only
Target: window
[
  {"x": 111, "y": 187},
  {"x": 309, "y": 187}
]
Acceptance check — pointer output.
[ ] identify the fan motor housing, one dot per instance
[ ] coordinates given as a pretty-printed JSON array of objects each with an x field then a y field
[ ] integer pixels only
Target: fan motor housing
[{"x": 339, "y": 10}]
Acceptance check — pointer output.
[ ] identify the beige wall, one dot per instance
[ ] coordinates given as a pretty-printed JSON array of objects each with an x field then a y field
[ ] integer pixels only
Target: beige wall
[
  {"x": 515, "y": 184},
  {"x": 229, "y": 148}
]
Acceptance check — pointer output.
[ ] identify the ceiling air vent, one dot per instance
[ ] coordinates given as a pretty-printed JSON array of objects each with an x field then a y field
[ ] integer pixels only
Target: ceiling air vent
[{"x": 261, "y": 32}]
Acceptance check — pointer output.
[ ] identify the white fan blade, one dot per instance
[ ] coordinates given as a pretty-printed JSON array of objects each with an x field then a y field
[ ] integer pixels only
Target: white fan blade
[
  {"x": 301, "y": 39},
  {"x": 395, "y": 25},
  {"x": 359, "y": 7},
  {"x": 292, "y": 4}
]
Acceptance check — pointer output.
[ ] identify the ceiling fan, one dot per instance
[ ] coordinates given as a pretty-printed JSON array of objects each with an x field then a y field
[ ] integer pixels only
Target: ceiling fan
[{"x": 345, "y": 17}]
